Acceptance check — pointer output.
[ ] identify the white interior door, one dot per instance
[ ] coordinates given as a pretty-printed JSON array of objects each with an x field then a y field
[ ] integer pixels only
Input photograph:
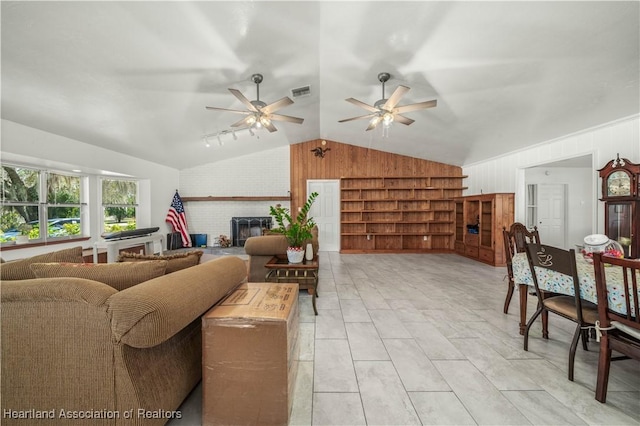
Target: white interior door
[
  {"x": 326, "y": 212},
  {"x": 551, "y": 214}
]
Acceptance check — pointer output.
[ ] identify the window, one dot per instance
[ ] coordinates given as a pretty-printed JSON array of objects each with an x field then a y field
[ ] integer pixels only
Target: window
[
  {"x": 119, "y": 203},
  {"x": 34, "y": 199}
]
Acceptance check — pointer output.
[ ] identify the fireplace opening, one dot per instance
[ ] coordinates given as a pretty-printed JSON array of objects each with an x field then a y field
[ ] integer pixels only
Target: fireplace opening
[{"x": 244, "y": 227}]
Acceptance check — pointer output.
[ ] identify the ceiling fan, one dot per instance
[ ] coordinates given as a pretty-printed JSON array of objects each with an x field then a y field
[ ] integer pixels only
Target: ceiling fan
[
  {"x": 385, "y": 110},
  {"x": 260, "y": 114}
]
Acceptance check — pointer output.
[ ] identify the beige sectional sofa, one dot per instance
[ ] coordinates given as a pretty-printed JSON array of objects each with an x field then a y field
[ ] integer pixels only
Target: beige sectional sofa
[{"x": 82, "y": 352}]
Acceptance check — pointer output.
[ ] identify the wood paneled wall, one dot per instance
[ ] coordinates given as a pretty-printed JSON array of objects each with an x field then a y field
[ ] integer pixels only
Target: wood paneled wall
[{"x": 345, "y": 160}]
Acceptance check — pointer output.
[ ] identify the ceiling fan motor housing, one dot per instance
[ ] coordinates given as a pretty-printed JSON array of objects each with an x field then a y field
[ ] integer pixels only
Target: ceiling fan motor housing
[{"x": 256, "y": 78}]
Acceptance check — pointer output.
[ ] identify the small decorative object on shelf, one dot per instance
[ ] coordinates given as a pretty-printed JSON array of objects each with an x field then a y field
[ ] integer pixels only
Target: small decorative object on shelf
[
  {"x": 296, "y": 230},
  {"x": 224, "y": 241},
  {"x": 308, "y": 253}
]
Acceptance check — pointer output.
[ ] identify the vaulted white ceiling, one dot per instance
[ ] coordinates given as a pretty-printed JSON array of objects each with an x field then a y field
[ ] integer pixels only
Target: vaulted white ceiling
[{"x": 135, "y": 77}]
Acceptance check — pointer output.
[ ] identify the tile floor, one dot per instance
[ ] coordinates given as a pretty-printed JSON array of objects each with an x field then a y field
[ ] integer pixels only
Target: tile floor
[{"x": 404, "y": 339}]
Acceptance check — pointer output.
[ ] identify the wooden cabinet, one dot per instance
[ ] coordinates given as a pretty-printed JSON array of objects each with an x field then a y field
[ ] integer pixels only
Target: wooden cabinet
[
  {"x": 479, "y": 220},
  {"x": 398, "y": 214}
]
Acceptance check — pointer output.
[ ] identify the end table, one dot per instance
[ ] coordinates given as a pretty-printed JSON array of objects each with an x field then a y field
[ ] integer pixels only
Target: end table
[{"x": 305, "y": 274}]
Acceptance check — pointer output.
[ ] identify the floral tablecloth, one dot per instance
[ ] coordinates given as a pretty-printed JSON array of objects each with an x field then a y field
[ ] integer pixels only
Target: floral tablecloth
[{"x": 560, "y": 283}]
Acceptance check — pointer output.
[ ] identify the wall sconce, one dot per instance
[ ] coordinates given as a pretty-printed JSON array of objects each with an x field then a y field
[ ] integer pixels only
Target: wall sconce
[{"x": 319, "y": 151}]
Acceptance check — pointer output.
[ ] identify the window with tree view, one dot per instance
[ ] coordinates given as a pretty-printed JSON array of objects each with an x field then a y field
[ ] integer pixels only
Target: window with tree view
[
  {"x": 119, "y": 202},
  {"x": 33, "y": 200}
]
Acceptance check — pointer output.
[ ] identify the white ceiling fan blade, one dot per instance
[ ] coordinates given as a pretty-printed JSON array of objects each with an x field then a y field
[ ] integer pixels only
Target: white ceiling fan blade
[
  {"x": 415, "y": 107},
  {"x": 357, "y": 118},
  {"x": 230, "y": 110},
  {"x": 395, "y": 97},
  {"x": 270, "y": 127},
  {"x": 402, "y": 119},
  {"x": 374, "y": 123},
  {"x": 244, "y": 100},
  {"x": 362, "y": 105},
  {"x": 273, "y": 107},
  {"x": 288, "y": 118}
]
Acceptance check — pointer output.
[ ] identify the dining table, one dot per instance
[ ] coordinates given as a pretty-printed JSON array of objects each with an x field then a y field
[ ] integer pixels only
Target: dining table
[{"x": 556, "y": 282}]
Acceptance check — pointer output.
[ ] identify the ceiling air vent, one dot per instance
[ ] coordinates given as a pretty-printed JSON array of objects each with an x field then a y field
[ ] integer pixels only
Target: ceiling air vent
[{"x": 301, "y": 91}]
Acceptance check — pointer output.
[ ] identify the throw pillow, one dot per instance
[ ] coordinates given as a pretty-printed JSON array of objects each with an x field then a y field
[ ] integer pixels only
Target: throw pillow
[
  {"x": 19, "y": 269},
  {"x": 175, "y": 262},
  {"x": 117, "y": 275}
]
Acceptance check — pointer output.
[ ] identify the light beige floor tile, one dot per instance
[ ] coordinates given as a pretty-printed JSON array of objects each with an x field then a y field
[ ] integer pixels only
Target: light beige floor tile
[
  {"x": 353, "y": 310},
  {"x": 432, "y": 342},
  {"x": 327, "y": 300},
  {"x": 302, "y": 395},
  {"x": 372, "y": 299},
  {"x": 333, "y": 367},
  {"x": 405, "y": 311},
  {"x": 307, "y": 336},
  {"x": 413, "y": 366},
  {"x": 384, "y": 399},
  {"x": 329, "y": 325},
  {"x": 388, "y": 324},
  {"x": 364, "y": 342},
  {"x": 499, "y": 371},
  {"x": 440, "y": 408},
  {"x": 305, "y": 306},
  {"x": 580, "y": 399},
  {"x": 484, "y": 402},
  {"x": 334, "y": 409},
  {"x": 347, "y": 291},
  {"x": 541, "y": 408}
]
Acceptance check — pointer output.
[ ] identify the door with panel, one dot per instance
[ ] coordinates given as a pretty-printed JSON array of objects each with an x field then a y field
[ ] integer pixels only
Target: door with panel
[
  {"x": 326, "y": 212},
  {"x": 552, "y": 214}
]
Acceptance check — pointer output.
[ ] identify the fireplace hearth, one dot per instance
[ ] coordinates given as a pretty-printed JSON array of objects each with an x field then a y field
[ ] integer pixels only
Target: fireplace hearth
[{"x": 245, "y": 227}]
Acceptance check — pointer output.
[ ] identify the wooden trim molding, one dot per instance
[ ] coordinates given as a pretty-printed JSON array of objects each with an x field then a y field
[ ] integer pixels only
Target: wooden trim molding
[
  {"x": 41, "y": 243},
  {"x": 239, "y": 198}
]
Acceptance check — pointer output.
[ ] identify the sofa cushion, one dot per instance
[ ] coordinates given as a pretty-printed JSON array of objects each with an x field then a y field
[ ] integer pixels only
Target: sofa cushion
[
  {"x": 267, "y": 245},
  {"x": 117, "y": 275},
  {"x": 19, "y": 269},
  {"x": 175, "y": 262},
  {"x": 148, "y": 314}
]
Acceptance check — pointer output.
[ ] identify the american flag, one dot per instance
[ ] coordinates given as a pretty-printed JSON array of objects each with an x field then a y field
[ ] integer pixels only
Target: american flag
[{"x": 178, "y": 219}]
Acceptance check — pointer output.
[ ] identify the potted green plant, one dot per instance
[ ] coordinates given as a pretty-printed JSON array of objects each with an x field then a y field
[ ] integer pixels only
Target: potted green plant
[
  {"x": 24, "y": 229},
  {"x": 296, "y": 230}
]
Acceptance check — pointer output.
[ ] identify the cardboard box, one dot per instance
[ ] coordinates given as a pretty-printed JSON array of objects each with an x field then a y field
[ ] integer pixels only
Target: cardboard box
[{"x": 250, "y": 356}]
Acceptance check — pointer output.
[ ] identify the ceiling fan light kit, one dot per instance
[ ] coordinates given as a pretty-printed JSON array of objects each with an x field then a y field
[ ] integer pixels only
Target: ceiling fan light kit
[
  {"x": 385, "y": 110},
  {"x": 258, "y": 113}
]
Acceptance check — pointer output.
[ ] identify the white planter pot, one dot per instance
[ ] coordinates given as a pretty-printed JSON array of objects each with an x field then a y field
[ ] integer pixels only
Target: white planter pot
[
  {"x": 22, "y": 239},
  {"x": 295, "y": 254}
]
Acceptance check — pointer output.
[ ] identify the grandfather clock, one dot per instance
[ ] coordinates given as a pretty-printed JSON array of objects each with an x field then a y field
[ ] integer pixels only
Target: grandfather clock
[{"x": 621, "y": 196}]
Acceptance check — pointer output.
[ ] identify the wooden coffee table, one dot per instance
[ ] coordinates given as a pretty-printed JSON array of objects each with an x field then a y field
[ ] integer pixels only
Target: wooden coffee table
[{"x": 305, "y": 274}]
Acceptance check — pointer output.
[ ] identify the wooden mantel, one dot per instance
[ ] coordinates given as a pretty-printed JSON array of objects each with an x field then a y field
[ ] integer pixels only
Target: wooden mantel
[{"x": 239, "y": 198}]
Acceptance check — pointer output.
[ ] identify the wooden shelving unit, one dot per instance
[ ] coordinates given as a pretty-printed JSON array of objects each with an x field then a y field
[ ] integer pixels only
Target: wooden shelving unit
[
  {"x": 398, "y": 214},
  {"x": 479, "y": 220}
]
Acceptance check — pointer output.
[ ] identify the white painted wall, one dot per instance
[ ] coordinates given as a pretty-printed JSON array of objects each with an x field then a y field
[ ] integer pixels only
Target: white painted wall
[
  {"x": 506, "y": 173},
  {"x": 579, "y": 198},
  {"x": 28, "y": 146},
  {"x": 261, "y": 174}
]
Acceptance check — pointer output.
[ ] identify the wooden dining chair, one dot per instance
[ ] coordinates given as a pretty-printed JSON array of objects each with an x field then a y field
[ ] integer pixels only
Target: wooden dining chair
[
  {"x": 620, "y": 330},
  {"x": 515, "y": 240},
  {"x": 545, "y": 259}
]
